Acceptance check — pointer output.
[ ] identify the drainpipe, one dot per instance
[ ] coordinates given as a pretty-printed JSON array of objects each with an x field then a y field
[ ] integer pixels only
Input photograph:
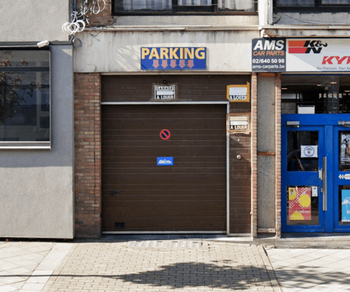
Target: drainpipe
[
  {"x": 73, "y": 8},
  {"x": 270, "y": 12}
]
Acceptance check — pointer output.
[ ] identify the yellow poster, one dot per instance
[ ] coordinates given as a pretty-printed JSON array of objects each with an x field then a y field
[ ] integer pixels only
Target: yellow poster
[{"x": 299, "y": 203}]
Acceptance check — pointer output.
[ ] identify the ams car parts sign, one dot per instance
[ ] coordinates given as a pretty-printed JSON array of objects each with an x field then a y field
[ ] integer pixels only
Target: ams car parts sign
[{"x": 301, "y": 55}]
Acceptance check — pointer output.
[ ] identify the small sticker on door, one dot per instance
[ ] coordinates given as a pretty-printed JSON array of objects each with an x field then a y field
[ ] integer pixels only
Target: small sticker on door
[
  {"x": 165, "y": 161},
  {"x": 314, "y": 191},
  {"x": 308, "y": 151}
]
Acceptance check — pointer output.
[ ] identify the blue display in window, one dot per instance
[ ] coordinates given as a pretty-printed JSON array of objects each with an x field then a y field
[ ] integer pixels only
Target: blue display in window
[{"x": 345, "y": 206}]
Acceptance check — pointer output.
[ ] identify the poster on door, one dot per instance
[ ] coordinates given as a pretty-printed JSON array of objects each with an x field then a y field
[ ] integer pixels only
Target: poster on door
[
  {"x": 345, "y": 206},
  {"x": 299, "y": 199},
  {"x": 345, "y": 149}
]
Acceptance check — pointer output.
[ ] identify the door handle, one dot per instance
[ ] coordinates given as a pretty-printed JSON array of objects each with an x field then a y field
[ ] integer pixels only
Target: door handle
[
  {"x": 324, "y": 186},
  {"x": 320, "y": 174},
  {"x": 345, "y": 124}
]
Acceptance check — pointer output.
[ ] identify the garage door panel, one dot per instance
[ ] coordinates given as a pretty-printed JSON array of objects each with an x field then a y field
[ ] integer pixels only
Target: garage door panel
[
  {"x": 163, "y": 171},
  {"x": 114, "y": 185},
  {"x": 205, "y": 195},
  {"x": 176, "y": 125},
  {"x": 150, "y": 209},
  {"x": 138, "y": 195},
  {"x": 117, "y": 139},
  {"x": 166, "y": 223},
  {"x": 151, "y": 161},
  {"x": 191, "y": 164},
  {"x": 164, "y": 151},
  {"x": 183, "y": 142},
  {"x": 170, "y": 179},
  {"x": 166, "y": 110}
]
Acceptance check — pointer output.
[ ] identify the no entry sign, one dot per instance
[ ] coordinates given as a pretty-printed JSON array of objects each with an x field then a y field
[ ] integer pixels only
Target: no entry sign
[{"x": 165, "y": 134}]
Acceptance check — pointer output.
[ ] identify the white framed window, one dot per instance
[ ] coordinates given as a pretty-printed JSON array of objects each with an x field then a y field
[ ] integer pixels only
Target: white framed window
[
  {"x": 322, "y": 4},
  {"x": 178, "y": 6}
]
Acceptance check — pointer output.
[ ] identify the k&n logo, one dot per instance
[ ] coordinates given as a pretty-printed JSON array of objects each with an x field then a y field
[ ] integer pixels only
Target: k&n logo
[{"x": 305, "y": 46}]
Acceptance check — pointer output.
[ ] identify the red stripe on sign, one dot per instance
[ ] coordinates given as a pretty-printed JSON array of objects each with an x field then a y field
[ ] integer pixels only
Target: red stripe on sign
[
  {"x": 297, "y": 50},
  {"x": 296, "y": 44}
]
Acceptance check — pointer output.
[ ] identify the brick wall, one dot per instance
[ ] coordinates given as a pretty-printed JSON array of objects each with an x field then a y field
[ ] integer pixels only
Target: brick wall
[
  {"x": 87, "y": 127},
  {"x": 278, "y": 153},
  {"x": 101, "y": 19},
  {"x": 254, "y": 155}
]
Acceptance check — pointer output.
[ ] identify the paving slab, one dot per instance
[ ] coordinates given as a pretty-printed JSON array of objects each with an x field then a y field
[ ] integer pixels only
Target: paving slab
[
  {"x": 173, "y": 265},
  {"x": 27, "y": 266},
  {"x": 193, "y": 264},
  {"x": 311, "y": 269}
]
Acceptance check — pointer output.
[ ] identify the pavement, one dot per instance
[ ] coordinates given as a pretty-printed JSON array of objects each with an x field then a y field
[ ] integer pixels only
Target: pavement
[{"x": 170, "y": 264}]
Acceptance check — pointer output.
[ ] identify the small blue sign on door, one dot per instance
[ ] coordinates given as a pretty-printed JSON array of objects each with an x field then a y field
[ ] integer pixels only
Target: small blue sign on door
[
  {"x": 345, "y": 206},
  {"x": 165, "y": 161}
]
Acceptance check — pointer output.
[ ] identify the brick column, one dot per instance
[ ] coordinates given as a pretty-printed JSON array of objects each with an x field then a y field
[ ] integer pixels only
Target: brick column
[
  {"x": 254, "y": 155},
  {"x": 102, "y": 18},
  {"x": 278, "y": 153},
  {"x": 87, "y": 127}
]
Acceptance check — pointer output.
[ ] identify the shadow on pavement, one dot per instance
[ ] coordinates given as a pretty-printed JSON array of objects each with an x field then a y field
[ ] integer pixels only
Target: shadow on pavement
[
  {"x": 306, "y": 277},
  {"x": 181, "y": 275}
]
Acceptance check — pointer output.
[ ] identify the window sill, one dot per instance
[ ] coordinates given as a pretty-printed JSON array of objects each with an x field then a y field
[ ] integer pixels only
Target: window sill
[{"x": 25, "y": 145}]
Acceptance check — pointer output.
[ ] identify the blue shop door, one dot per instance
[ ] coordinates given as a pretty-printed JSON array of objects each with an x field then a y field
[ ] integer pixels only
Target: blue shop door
[
  {"x": 302, "y": 180},
  {"x": 315, "y": 189}
]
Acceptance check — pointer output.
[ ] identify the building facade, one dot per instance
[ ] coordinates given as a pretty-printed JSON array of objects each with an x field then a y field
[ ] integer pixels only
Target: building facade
[
  {"x": 314, "y": 113},
  {"x": 163, "y": 92},
  {"x": 156, "y": 67},
  {"x": 36, "y": 105},
  {"x": 189, "y": 117}
]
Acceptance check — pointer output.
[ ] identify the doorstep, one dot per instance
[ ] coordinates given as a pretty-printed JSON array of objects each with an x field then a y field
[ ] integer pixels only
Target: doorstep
[{"x": 307, "y": 240}]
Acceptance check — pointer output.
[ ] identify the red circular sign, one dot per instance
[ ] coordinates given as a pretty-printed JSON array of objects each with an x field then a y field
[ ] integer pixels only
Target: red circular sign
[{"x": 165, "y": 134}]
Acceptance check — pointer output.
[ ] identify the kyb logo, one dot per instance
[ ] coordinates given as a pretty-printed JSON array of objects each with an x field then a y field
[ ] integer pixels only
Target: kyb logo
[{"x": 305, "y": 47}]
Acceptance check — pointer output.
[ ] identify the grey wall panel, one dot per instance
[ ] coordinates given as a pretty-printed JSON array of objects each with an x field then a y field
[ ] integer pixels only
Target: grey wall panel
[
  {"x": 37, "y": 185},
  {"x": 120, "y": 51},
  {"x": 33, "y": 20},
  {"x": 266, "y": 164},
  {"x": 266, "y": 187},
  {"x": 266, "y": 113}
]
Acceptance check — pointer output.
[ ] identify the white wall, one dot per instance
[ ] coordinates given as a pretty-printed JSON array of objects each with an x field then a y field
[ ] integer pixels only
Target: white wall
[
  {"x": 33, "y": 20},
  {"x": 227, "y": 51},
  {"x": 36, "y": 190}
]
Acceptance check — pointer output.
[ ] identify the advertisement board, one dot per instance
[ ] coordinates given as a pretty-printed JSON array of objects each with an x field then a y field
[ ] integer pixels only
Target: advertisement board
[
  {"x": 301, "y": 55},
  {"x": 173, "y": 58},
  {"x": 345, "y": 206},
  {"x": 238, "y": 93},
  {"x": 269, "y": 55},
  {"x": 299, "y": 202},
  {"x": 318, "y": 55}
]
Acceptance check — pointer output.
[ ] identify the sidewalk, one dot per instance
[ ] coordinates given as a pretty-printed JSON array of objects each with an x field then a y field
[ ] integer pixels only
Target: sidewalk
[
  {"x": 170, "y": 264},
  {"x": 157, "y": 265},
  {"x": 311, "y": 269}
]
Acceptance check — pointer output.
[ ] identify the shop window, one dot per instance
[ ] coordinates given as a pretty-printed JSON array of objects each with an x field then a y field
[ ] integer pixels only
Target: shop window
[
  {"x": 182, "y": 6},
  {"x": 295, "y": 3},
  {"x": 315, "y": 94},
  {"x": 312, "y": 5},
  {"x": 25, "y": 98}
]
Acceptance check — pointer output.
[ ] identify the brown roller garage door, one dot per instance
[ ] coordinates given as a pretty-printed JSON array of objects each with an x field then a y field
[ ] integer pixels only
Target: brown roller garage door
[{"x": 137, "y": 194}]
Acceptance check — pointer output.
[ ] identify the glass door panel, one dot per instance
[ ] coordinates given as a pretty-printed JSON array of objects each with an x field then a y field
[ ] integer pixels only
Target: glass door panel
[
  {"x": 302, "y": 163},
  {"x": 342, "y": 179}
]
